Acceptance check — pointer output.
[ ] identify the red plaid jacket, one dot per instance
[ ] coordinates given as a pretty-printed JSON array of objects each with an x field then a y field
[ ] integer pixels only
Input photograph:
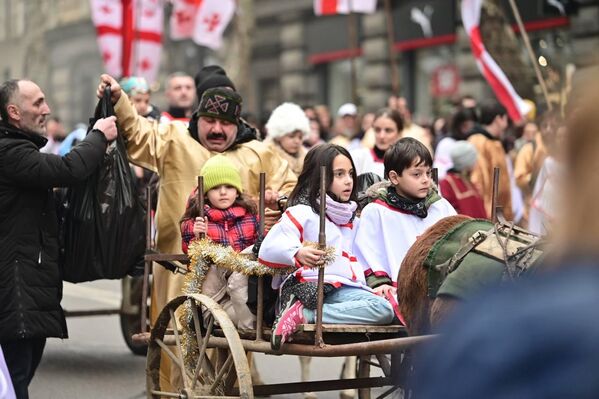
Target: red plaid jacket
[{"x": 234, "y": 227}]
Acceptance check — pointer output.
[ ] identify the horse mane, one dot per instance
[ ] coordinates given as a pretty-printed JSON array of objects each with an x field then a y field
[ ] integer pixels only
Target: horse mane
[{"x": 412, "y": 281}]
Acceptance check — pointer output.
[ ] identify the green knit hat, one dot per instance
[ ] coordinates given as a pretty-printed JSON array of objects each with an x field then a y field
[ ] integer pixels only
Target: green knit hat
[{"x": 220, "y": 170}]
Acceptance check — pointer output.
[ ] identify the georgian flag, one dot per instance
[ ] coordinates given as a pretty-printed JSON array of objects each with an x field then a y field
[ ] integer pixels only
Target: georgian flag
[
  {"x": 330, "y": 7},
  {"x": 129, "y": 36},
  {"x": 204, "y": 21},
  {"x": 503, "y": 89}
]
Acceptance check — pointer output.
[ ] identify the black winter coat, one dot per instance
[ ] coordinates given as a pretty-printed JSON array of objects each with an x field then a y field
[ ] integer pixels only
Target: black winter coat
[{"x": 30, "y": 278}]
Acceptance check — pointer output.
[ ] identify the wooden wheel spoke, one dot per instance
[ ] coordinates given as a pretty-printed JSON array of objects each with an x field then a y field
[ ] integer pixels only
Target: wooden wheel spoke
[
  {"x": 167, "y": 350},
  {"x": 385, "y": 364},
  {"x": 173, "y": 357},
  {"x": 202, "y": 344},
  {"x": 221, "y": 373},
  {"x": 179, "y": 351}
]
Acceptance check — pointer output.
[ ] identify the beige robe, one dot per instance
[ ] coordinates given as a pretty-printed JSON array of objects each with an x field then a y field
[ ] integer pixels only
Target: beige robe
[
  {"x": 529, "y": 161},
  {"x": 296, "y": 163},
  {"x": 491, "y": 155}
]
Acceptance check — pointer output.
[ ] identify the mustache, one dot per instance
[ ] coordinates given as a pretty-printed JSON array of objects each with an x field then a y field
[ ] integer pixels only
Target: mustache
[{"x": 216, "y": 135}]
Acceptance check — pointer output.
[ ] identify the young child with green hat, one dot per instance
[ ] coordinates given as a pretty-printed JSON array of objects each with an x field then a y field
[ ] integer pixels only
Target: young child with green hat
[{"x": 230, "y": 219}]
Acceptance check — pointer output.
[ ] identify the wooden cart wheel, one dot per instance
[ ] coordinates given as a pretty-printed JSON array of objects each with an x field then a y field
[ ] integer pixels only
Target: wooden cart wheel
[{"x": 210, "y": 376}]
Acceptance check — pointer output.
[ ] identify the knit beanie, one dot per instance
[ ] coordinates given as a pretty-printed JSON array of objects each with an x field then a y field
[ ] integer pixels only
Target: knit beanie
[
  {"x": 209, "y": 77},
  {"x": 220, "y": 170},
  {"x": 287, "y": 118},
  {"x": 220, "y": 103},
  {"x": 133, "y": 85},
  {"x": 463, "y": 155}
]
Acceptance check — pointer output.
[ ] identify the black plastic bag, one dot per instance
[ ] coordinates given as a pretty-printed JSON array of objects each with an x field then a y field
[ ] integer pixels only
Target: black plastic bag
[{"x": 104, "y": 219}]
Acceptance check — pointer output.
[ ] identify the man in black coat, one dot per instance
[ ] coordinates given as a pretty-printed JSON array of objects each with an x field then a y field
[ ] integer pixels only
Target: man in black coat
[{"x": 30, "y": 280}]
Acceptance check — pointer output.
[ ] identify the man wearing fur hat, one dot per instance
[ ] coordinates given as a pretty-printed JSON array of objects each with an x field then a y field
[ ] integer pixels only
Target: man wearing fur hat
[
  {"x": 287, "y": 128},
  {"x": 177, "y": 153}
]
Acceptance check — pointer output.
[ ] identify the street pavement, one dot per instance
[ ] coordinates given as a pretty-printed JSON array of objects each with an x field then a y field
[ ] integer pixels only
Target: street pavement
[{"x": 95, "y": 363}]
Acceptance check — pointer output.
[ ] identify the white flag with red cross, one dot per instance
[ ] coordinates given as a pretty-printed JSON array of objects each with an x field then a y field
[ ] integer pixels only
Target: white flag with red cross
[
  {"x": 204, "y": 21},
  {"x": 504, "y": 91},
  {"x": 129, "y": 36},
  {"x": 330, "y": 7}
]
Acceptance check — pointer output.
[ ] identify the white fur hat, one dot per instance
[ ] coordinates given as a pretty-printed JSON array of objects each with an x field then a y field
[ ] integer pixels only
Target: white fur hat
[{"x": 287, "y": 118}]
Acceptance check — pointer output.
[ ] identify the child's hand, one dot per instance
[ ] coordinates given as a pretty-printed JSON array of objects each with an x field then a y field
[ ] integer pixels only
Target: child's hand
[
  {"x": 310, "y": 257},
  {"x": 385, "y": 290},
  {"x": 199, "y": 226}
]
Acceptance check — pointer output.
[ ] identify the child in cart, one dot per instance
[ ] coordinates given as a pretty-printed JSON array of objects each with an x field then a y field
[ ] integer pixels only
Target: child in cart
[
  {"x": 403, "y": 208},
  {"x": 348, "y": 299},
  {"x": 230, "y": 219}
]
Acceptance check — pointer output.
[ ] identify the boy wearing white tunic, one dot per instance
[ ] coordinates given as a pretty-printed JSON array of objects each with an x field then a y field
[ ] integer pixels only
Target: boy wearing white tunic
[{"x": 401, "y": 211}]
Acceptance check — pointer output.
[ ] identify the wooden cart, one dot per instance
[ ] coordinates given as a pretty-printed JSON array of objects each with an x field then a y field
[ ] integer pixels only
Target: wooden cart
[
  {"x": 228, "y": 373},
  {"x": 225, "y": 373}
]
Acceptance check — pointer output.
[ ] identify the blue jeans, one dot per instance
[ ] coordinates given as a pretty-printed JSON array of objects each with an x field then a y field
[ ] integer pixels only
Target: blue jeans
[{"x": 352, "y": 305}]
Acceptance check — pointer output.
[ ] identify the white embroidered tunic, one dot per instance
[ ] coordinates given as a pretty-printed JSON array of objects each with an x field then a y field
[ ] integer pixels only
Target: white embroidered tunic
[
  {"x": 366, "y": 161},
  {"x": 385, "y": 234},
  {"x": 299, "y": 223}
]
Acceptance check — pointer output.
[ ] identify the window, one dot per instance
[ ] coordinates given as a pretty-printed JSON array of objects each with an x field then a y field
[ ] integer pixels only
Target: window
[{"x": 339, "y": 90}]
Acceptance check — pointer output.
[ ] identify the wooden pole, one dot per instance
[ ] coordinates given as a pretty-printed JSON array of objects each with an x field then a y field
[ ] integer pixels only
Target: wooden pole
[
  {"x": 200, "y": 200},
  {"x": 147, "y": 264},
  {"x": 391, "y": 39},
  {"x": 260, "y": 310},
  {"x": 495, "y": 193},
  {"x": 322, "y": 243},
  {"x": 530, "y": 52}
]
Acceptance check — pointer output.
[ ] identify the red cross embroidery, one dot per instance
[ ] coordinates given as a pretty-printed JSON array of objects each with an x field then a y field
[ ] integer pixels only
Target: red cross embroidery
[
  {"x": 218, "y": 102},
  {"x": 182, "y": 17},
  {"x": 106, "y": 56},
  {"x": 106, "y": 9},
  {"x": 149, "y": 13},
  {"x": 145, "y": 64},
  {"x": 213, "y": 21}
]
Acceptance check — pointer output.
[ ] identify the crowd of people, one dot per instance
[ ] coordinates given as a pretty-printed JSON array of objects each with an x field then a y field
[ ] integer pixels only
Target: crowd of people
[{"x": 202, "y": 132}]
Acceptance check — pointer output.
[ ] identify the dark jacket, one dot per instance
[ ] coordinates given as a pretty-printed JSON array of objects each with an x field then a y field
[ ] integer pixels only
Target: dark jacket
[{"x": 30, "y": 278}]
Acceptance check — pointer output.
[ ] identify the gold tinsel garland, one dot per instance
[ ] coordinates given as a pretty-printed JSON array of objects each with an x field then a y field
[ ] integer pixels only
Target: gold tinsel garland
[{"x": 205, "y": 253}]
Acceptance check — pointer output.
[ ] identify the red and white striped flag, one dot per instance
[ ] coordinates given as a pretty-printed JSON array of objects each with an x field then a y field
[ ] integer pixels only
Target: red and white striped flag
[
  {"x": 204, "y": 21},
  {"x": 330, "y": 7},
  {"x": 129, "y": 36},
  {"x": 505, "y": 92}
]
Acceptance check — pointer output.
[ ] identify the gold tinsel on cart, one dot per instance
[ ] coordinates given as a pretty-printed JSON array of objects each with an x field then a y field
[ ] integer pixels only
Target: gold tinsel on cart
[{"x": 203, "y": 254}]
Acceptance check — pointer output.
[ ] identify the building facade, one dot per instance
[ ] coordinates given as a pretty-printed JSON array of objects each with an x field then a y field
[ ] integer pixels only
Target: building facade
[{"x": 296, "y": 56}]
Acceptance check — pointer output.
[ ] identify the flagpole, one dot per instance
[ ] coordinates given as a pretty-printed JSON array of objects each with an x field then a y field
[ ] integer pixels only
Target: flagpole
[
  {"x": 530, "y": 53},
  {"x": 352, "y": 33},
  {"x": 127, "y": 36},
  {"x": 391, "y": 38}
]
